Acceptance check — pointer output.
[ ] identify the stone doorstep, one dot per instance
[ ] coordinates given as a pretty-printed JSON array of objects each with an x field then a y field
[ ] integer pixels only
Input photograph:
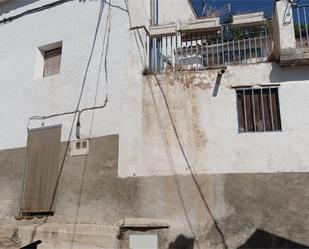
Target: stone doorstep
[{"x": 98, "y": 235}]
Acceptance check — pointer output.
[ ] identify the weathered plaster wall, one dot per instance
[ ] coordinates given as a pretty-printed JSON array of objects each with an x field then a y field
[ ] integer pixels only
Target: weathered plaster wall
[
  {"x": 74, "y": 23},
  {"x": 174, "y": 10},
  {"x": 91, "y": 199},
  {"x": 207, "y": 125},
  {"x": 205, "y": 116}
]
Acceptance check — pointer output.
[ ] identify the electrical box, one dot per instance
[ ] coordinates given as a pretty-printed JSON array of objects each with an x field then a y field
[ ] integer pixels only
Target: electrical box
[
  {"x": 149, "y": 241},
  {"x": 79, "y": 147}
]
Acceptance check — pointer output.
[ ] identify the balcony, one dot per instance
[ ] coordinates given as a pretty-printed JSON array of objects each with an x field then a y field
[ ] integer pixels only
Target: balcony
[
  {"x": 301, "y": 15},
  {"x": 205, "y": 44}
]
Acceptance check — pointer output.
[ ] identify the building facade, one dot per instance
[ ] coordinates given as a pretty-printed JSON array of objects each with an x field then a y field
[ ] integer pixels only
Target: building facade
[{"x": 136, "y": 124}]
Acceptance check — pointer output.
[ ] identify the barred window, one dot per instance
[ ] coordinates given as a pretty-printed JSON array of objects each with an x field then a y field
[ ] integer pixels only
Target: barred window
[{"x": 258, "y": 110}]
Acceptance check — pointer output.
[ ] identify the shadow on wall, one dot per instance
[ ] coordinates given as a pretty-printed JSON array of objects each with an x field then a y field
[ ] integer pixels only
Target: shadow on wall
[
  {"x": 182, "y": 242},
  {"x": 8, "y": 6},
  {"x": 261, "y": 239},
  {"x": 33, "y": 245},
  {"x": 282, "y": 74}
]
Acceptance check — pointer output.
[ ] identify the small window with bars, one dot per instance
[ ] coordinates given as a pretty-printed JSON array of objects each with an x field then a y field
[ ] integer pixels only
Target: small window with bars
[
  {"x": 52, "y": 61},
  {"x": 258, "y": 109}
]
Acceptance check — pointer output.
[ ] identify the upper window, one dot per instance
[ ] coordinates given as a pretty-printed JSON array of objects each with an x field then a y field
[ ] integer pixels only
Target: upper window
[
  {"x": 258, "y": 110},
  {"x": 52, "y": 60}
]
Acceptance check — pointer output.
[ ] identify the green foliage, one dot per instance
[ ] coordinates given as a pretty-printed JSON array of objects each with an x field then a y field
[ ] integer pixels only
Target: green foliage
[{"x": 300, "y": 29}]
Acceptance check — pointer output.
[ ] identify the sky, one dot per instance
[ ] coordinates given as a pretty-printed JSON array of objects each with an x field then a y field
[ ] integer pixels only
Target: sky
[{"x": 239, "y": 6}]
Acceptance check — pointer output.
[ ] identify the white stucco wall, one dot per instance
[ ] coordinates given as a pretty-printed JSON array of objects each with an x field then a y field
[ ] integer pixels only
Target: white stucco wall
[
  {"x": 142, "y": 150},
  {"x": 174, "y": 10},
  {"x": 208, "y": 125}
]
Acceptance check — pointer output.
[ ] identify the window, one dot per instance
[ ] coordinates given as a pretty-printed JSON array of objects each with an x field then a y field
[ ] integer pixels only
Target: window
[
  {"x": 42, "y": 169},
  {"x": 52, "y": 61},
  {"x": 258, "y": 109}
]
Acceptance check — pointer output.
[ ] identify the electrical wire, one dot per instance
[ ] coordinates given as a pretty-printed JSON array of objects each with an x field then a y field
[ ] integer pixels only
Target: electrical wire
[
  {"x": 34, "y": 10},
  {"x": 76, "y": 111},
  {"x": 194, "y": 178},
  {"x": 102, "y": 5},
  {"x": 106, "y": 33},
  {"x": 107, "y": 27}
]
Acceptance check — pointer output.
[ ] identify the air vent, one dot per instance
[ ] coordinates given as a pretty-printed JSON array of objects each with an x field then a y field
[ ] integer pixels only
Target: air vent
[{"x": 79, "y": 148}]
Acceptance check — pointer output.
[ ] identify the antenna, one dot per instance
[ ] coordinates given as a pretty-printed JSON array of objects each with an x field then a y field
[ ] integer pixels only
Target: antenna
[
  {"x": 294, "y": 2},
  {"x": 225, "y": 9},
  {"x": 209, "y": 11}
]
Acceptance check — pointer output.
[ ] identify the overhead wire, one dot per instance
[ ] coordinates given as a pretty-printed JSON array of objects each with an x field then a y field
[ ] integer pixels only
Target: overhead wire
[
  {"x": 194, "y": 178},
  {"x": 216, "y": 225},
  {"x": 34, "y": 10},
  {"x": 102, "y": 5},
  {"x": 172, "y": 166},
  {"x": 76, "y": 111},
  {"x": 102, "y": 54}
]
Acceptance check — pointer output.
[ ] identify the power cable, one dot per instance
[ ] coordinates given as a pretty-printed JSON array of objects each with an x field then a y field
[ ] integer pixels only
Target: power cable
[
  {"x": 172, "y": 166},
  {"x": 102, "y": 4},
  {"x": 106, "y": 33},
  {"x": 107, "y": 27},
  {"x": 194, "y": 178},
  {"x": 34, "y": 10}
]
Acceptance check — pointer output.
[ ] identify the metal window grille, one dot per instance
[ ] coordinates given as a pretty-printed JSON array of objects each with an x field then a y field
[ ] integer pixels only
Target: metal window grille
[
  {"x": 52, "y": 61},
  {"x": 258, "y": 109}
]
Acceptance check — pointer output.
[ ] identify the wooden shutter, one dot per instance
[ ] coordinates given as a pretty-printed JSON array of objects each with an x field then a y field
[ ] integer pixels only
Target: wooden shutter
[
  {"x": 52, "y": 60},
  {"x": 275, "y": 109},
  {"x": 267, "y": 110},
  {"x": 249, "y": 110},
  {"x": 42, "y": 169},
  {"x": 259, "y": 122}
]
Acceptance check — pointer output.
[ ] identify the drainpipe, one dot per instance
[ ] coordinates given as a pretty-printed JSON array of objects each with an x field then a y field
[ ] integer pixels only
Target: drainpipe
[
  {"x": 154, "y": 42},
  {"x": 154, "y": 11}
]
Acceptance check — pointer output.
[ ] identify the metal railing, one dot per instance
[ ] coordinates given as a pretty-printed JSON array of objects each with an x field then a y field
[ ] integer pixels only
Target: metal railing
[
  {"x": 203, "y": 50},
  {"x": 301, "y": 25}
]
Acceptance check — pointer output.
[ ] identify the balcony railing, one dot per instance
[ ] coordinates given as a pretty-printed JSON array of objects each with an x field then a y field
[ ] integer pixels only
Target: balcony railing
[
  {"x": 301, "y": 24},
  {"x": 210, "y": 49}
]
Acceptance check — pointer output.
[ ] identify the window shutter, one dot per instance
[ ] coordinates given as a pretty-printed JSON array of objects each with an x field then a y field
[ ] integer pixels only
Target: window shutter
[
  {"x": 240, "y": 110},
  {"x": 249, "y": 110},
  {"x": 275, "y": 109},
  {"x": 52, "y": 60},
  {"x": 258, "y": 110},
  {"x": 42, "y": 169}
]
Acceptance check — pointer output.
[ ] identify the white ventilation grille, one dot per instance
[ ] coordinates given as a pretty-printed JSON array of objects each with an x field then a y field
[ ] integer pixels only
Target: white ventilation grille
[{"x": 79, "y": 148}]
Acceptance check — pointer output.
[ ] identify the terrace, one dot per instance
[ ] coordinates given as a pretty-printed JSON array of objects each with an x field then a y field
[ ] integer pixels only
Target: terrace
[{"x": 205, "y": 43}]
